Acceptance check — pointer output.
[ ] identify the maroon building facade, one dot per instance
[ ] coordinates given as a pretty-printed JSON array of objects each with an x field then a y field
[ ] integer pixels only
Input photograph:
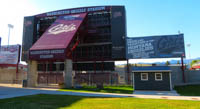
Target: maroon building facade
[{"x": 92, "y": 37}]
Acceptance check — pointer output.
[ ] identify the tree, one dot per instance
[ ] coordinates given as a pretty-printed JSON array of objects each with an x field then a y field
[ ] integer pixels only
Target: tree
[
  {"x": 178, "y": 62},
  {"x": 194, "y": 62},
  {"x": 167, "y": 63}
]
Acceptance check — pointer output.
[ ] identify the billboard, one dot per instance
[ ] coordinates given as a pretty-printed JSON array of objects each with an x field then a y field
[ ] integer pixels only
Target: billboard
[
  {"x": 167, "y": 46},
  {"x": 9, "y": 54}
]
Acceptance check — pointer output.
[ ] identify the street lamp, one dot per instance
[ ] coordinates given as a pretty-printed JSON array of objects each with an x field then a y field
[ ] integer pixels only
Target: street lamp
[
  {"x": 9, "y": 27},
  {"x": 188, "y": 45}
]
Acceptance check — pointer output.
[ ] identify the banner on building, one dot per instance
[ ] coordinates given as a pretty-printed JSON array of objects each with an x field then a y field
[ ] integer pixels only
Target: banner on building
[
  {"x": 167, "y": 46},
  {"x": 9, "y": 54}
]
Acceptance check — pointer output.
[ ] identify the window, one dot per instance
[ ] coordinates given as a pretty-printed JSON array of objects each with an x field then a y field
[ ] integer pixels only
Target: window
[
  {"x": 144, "y": 76},
  {"x": 61, "y": 66},
  {"x": 41, "y": 67},
  {"x": 158, "y": 76},
  {"x": 51, "y": 67}
]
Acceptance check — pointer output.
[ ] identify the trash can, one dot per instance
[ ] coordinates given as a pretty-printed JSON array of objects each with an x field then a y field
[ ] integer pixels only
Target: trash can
[
  {"x": 99, "y": 85},
  {"x": 24, "y": 83}
]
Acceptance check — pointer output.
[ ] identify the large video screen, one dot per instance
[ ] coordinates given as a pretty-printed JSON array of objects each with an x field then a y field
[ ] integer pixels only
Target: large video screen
[
  {"x": 118, "y": 33},
  {"x": 167, "y": 46},
  {"x": 29, "y": 36}
]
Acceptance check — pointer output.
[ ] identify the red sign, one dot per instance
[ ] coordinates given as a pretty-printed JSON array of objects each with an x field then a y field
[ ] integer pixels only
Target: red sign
[{"x": 58, "y": 36}]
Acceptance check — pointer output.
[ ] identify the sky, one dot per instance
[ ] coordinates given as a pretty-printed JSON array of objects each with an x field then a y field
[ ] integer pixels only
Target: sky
[{"x": 144, "y": 17}]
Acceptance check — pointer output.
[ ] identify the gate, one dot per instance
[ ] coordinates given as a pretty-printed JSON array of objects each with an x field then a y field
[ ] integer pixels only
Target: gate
[
  {"x": 50, "y": 78},
  {"x": 94, "y": 78}
]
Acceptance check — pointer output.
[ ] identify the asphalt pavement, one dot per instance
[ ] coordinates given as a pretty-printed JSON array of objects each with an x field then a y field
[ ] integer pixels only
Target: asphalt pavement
[{"x": 17, "y": 91}]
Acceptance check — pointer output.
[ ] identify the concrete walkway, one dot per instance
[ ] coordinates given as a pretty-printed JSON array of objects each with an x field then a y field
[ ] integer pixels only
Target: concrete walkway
[
  {"x": 9, "y": 92},
  {"x": 162, "y": 93}
]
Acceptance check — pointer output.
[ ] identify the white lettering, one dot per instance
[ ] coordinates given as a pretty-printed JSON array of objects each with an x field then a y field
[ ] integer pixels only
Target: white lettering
[
  {"x": 46, "y": 52},
  {"x": 80, "y": 10},
  {"x": 60, "y": 28},
  {"x": 57, "y": 51},
  {"x": 96, "y": 9},
  {"x": 46, "y": 56}
]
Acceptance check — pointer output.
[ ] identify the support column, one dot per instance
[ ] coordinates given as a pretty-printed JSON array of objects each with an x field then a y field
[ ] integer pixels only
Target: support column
[
  {"x": 68, "y": 79},
  {"x": 32, "y": 74}
]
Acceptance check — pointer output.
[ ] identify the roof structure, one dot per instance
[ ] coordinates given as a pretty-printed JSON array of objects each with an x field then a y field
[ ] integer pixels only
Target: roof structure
[{"x": 151, "y": 69}]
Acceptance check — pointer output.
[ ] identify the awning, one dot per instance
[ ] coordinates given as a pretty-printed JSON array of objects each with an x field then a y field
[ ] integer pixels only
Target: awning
[{"x": 56, "y": 39}]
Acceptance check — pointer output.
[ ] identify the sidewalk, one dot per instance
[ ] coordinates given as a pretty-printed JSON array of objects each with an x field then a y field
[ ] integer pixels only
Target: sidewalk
[
  {"x": 11, "y": 85},
  {"x": 9, "y": 92},
  {"x": 162, "y": 93}
]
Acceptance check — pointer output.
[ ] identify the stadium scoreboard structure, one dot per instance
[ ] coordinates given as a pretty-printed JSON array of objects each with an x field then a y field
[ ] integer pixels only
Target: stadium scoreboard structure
[{"x": 89, "y": 35}]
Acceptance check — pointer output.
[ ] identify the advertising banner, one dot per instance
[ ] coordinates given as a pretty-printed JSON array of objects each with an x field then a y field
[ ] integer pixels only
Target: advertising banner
[
  {"x": 167, "y": 46},
  {"x": 9, "y": 54}
]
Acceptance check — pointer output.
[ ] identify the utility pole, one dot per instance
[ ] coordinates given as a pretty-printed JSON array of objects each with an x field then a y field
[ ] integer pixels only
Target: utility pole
[
  {"x": 128, "y": 73},
  {"x": 188, "y": 45},
  {"x": 183, "y": 69},
  {"x": 9, "y": 28}
]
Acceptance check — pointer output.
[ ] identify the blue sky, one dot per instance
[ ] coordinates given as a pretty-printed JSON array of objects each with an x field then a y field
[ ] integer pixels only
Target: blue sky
[{"x": 144, "y": 17}]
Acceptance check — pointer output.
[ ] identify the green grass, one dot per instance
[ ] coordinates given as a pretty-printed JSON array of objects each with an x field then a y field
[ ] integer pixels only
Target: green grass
[
  {"x": 190, "y": 90},
  {"x": 106, "y": 89},
  {"x": 78, "y": 102}
]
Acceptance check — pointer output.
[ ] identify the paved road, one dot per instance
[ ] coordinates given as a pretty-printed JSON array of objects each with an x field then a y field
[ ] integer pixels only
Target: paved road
[{"x": 9, "y": 92}]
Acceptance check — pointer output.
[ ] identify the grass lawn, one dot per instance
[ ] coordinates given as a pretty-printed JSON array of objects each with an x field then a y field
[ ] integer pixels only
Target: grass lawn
[
  {"x": 44, "y": 101},
  {"x": 106, "y": 89},
  {"x": 190, "y": 90}
]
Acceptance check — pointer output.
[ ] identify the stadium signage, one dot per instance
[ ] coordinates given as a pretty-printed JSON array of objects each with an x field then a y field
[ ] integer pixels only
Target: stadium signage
[
  {"x": 74, "y": 11},
  {"x": 47, "y": 54},
  {"x": 36, "y": 52}
]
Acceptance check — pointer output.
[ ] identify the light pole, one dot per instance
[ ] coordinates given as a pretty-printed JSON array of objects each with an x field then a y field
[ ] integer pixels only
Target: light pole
[
  {"x": 9, "y": 27},
  {"x": 188, "y": 45}
]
